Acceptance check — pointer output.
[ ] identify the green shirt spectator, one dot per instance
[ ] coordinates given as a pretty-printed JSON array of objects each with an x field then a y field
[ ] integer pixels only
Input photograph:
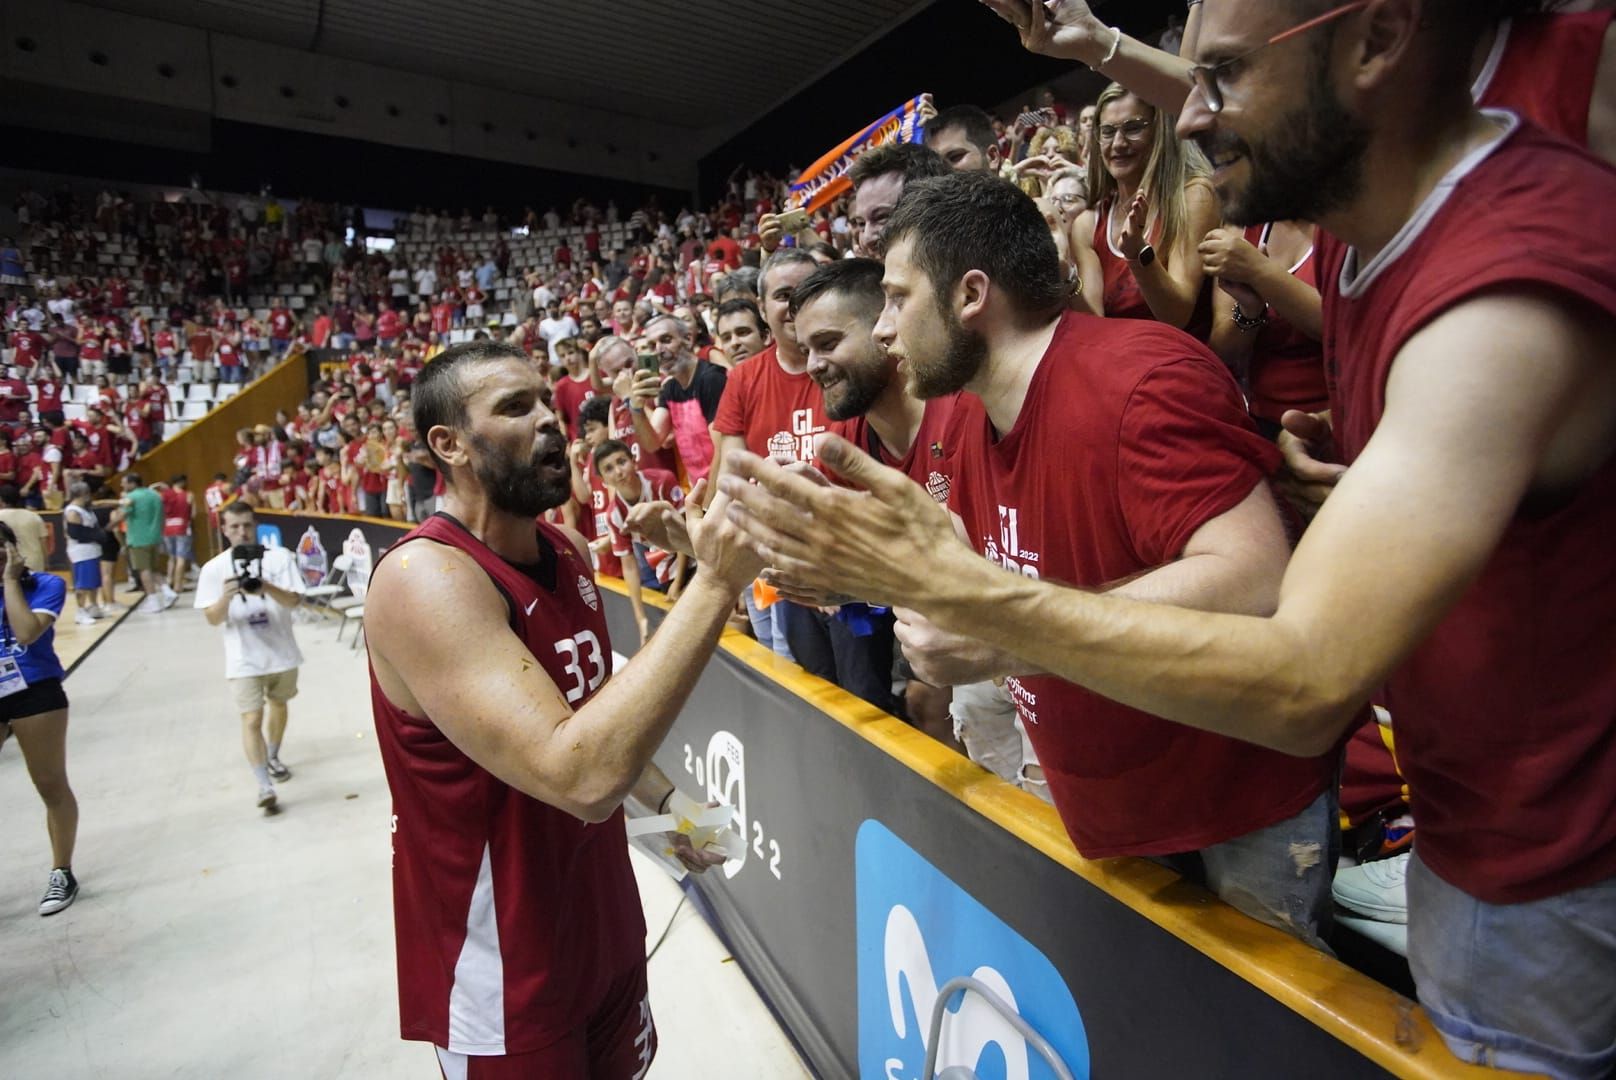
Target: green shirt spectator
[{"x": 144, "y": 514}]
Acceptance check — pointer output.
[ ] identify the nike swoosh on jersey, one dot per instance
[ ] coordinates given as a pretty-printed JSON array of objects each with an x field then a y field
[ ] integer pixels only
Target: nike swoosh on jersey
[{"x": 531, "y": 606}]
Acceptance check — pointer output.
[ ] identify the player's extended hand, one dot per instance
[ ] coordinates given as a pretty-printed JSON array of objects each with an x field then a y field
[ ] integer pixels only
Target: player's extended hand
[
  {"x": 721, "y": 547},
  {"x": 944, "y": 659},
  {"x": 881, "y": 543},
  {"x": 1063, "y": 28},
  {"x": 694, "y": 860},
  {"x": 1307, "y": 478}
]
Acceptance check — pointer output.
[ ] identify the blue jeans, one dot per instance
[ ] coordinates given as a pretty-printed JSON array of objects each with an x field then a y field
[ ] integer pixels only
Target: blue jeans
[
  {"x": 230, "y": 373},
  {"x": 1279, "y": 875},
  {"x": 766, "y": 627},
  {"x": 1517, "y": 986}
]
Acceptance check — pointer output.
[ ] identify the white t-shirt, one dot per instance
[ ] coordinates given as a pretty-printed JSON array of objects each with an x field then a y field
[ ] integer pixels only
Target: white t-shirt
[
  {"x": 426, "y": 281},
  {"x": 542, "y": 297},
  {"x": 554, "y": 330},
  {"x": 258, "y": 637},
  {"x": 78, "y": 550}
]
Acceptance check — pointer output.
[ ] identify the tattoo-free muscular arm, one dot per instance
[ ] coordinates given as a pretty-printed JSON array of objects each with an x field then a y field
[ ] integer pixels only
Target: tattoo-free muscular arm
[
  {"x": 443, "y": 649},
  {"x": 1469, "y": 428}
]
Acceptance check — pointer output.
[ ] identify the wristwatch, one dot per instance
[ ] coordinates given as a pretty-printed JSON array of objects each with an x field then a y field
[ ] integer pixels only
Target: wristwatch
[{"x": 1147, "y": 255}]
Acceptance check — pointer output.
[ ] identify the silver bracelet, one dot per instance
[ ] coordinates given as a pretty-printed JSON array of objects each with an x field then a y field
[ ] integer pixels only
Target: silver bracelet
[{"x": 1116, "y": 43}]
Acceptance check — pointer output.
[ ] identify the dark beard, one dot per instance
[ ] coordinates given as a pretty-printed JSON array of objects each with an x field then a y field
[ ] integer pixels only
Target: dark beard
[
  {"x": 959, "y": 364},
  {"x": 1312, "y": 165},
  {"x": 858, "y": 390},
  {"x": 514, "y": 485}
]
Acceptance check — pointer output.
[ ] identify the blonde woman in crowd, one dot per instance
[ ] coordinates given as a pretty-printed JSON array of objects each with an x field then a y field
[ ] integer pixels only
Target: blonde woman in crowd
[{"x": 1152, "y": 205}]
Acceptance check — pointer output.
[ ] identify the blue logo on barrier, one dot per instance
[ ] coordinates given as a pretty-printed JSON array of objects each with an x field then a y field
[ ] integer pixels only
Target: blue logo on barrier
[
  {"x": 270, "y": 536},
  {"x": 916, "y": 931}
]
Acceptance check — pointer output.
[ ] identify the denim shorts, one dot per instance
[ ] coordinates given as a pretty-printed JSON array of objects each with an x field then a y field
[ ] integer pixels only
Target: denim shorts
[
  {"x": 1517, "y": 986},
  {"x": 1279, "y": 875},
  {"x": 178, "y": 547}
]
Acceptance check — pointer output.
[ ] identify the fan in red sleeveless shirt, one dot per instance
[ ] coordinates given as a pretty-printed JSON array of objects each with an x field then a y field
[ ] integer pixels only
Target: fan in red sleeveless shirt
[
  {"x": 520, "y": 936},
  {"x": 1547, "y": 68}
]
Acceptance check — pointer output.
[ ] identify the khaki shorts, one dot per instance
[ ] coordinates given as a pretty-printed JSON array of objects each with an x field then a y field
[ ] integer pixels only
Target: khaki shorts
[
  {"x": 252, "y": 690},
  {"x": 143, "y": 558}
]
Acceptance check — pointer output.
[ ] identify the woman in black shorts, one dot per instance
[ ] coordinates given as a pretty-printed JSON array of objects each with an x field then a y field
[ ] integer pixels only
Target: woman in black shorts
[{"x": 33, "y": 706}]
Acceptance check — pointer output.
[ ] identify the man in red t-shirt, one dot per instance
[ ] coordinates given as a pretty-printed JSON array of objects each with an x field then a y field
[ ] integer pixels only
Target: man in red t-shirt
[
  {"x": 389, "y": 326},
  {"x": 282, "y": 325},
  {"x": 201, "y": 342},
  {"x": 29, "y": 346},
  {"x": 1117, "y": 456},
  {"x": 13, "y": 398},
  {"x": 834, "y": 311},
  {"x": 571, "y": 391},
  {"x": 177, "y": 513}
]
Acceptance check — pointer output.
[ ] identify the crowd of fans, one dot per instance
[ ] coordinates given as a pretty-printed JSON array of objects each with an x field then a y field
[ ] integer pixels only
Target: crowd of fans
[{"x": 672, "y": 340}]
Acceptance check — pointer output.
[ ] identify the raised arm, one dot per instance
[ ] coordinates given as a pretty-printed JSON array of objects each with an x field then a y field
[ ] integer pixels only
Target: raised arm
[
  {"x": 1468, "y": 430},
  {"x": 1069, "y": 30},
  {"x": 479, "y": 684}
]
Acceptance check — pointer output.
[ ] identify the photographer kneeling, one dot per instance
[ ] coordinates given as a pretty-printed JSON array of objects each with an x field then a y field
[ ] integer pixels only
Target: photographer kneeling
[{"x": 251, "y": 590}]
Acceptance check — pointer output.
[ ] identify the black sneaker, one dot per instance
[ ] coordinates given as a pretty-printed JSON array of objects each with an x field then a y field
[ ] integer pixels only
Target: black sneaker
[
  {"x": 277, "y": 771},
  {"x": 62, "y": 890}
]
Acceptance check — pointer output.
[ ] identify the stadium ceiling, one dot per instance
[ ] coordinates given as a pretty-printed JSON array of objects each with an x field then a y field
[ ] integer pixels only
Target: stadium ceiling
[{"x": 701, "y": 64}]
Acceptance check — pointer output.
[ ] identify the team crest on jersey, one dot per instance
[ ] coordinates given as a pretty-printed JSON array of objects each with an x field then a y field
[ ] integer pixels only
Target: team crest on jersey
[
  {"x": 783, "y": 446},
  {"x": 937, "y": 486},
  {"x": 586, "y": 589}
]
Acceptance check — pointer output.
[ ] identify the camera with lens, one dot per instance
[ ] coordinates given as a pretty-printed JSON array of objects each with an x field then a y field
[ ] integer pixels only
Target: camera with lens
[{"x": 247, "y": 559}]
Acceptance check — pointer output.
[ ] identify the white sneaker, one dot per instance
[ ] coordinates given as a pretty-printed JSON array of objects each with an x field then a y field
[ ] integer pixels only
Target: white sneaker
[
  {"x": 84, "y": 618},
  {"x": 1375, "y": 889},
  {"x": 97, "y": 612},
  {"x": 167, "y": 597},
  {"x": 266, "y": 798},
  {"x": 151, "y": 604}
]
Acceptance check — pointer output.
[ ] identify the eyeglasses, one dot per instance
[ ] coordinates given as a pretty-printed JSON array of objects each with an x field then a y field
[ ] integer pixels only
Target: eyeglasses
[
  {"x": 1133, "y": 131},
  {"x": 1066, "y": 200},
  {"x": 1206, "y": 77}
]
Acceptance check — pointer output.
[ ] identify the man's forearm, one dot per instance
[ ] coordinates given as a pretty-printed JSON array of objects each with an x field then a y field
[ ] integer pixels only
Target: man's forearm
[
  {"x": 218, "y": 611},
  {"x": 616, "y": 733},
  {"x": 283, "y": 597},
  {"x": 1152, "y": 74},
  {"x": 1249, "y": 678}
]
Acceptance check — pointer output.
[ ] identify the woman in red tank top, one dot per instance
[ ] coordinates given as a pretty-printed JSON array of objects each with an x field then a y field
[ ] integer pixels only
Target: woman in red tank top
[
  {"x": 1268, "y": 317},
  {"x": 1152, "y": 205}
]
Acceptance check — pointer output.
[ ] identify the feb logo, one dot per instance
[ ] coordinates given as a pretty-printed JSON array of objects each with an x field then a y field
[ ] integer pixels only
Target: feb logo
[
  {"x": 586, "y": 589},
  {"x": 916, "y": 931}
]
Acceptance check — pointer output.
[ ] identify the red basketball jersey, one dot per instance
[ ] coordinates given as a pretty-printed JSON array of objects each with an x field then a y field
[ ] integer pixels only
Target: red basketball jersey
[{"x": 513, "y": 918}]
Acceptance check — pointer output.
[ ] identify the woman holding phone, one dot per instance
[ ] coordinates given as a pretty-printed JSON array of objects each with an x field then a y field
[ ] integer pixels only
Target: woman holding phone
[{"x": 33, "y": 706}]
